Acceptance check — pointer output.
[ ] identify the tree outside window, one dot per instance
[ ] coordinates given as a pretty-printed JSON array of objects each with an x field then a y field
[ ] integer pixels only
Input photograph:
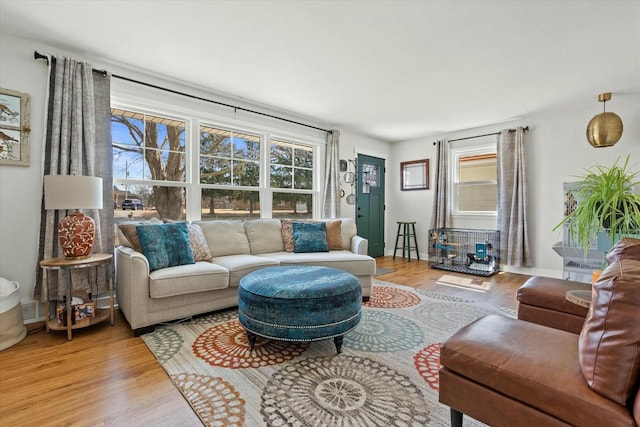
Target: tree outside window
[{"x": 150, "y": 148}]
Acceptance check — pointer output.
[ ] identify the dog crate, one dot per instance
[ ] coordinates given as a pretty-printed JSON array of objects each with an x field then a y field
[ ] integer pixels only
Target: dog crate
[{"x": 466, "y": 251}]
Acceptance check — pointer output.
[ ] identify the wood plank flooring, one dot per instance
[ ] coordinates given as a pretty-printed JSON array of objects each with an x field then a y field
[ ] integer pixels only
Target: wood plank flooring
[{"x": 107, "y": 377}]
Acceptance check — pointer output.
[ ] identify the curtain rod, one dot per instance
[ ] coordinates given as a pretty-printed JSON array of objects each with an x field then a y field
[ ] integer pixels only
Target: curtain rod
[
  {"x": 38, "y": 55},
  {"x": 526, "y": 128}
]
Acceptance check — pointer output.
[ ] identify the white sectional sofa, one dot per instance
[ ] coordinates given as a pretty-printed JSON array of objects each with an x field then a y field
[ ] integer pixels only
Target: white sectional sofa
[{"x": 147, "y": 298}]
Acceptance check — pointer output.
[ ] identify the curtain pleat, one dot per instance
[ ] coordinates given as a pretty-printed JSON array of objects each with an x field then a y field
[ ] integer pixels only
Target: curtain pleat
[
  {"x": 331, "y": 196},
  {"x": 77, "y": 142},
  {"x": 440, "y": 215},
  {"x": 512, "y": 199}
]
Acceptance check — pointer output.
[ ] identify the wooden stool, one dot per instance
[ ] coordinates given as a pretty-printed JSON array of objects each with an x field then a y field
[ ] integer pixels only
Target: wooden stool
[{"x": 406, "y": 230}]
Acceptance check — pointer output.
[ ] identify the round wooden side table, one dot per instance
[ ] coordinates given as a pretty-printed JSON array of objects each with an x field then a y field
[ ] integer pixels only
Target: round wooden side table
[
  {"x": 68, "y": 264},
  {"x": 581, "y": 298}
]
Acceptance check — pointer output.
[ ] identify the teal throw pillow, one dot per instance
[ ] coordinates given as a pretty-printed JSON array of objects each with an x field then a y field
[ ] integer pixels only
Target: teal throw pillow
[
  {"x": 310, "y": 237},
  {"x": 165, "y": 245}
]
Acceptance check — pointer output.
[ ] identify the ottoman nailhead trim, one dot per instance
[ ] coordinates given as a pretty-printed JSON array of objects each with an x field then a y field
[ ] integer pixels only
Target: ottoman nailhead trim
[
  {"x": 303, "y": 339},
  {"x": 303, "y": 327}
]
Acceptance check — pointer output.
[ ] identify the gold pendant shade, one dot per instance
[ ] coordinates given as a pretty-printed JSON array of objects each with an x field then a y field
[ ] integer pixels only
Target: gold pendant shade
[{"x": 605, "y": 129}]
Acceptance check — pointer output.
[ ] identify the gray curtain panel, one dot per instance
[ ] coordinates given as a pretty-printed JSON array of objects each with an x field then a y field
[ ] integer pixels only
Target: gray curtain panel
[
  {"x": 77, "y": 142},
  {"x": 512, "y": 199},
  {"x": 331, "y": 196},
  {"x": 440, "y": 216}
]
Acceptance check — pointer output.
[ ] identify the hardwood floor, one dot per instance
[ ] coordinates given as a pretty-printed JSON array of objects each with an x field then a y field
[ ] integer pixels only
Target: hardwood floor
[{"x": 107, "y": 377}]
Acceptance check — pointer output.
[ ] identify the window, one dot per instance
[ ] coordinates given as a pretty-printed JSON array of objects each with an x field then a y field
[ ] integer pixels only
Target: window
[
  {"x": 475, "y": 184},
  {"x": 291, "y": 165},
  {"x": 291, "y": 170},
  {"x": 226, "y": 172},
  {"x": 229, "y": 158},
  {"x": 149, "y": 164}
]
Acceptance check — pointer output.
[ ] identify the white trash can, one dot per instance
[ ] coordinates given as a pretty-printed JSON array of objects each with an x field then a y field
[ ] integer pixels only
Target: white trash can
[{"x": 12, "y": 329}]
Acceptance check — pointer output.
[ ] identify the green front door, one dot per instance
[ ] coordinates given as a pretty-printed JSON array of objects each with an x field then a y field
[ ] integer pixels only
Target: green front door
[{"x": 370, "y": 202}]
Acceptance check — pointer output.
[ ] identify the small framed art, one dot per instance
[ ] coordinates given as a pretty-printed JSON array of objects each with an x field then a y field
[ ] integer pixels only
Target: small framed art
[
  {"x": 414, "y": 175},
  {"x": 14, "y": 128}
]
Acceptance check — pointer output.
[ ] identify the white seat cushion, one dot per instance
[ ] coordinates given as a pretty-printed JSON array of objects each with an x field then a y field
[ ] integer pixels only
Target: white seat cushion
[
  {"x": 186, "y": 279},
  {"x": 241, "y": 265}
]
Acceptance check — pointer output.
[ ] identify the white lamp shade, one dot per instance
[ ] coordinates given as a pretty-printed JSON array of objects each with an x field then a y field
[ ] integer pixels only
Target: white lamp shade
[{"x": 72, "y": 192}]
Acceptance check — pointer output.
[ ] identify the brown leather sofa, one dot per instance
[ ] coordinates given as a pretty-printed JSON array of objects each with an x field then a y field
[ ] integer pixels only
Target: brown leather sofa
[
  {"x": 542, "y": 300},
  {"x": 510, "y": 372}
]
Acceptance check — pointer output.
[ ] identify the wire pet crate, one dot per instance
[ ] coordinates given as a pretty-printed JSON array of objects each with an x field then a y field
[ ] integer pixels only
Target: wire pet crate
[{"x": 466, "y": 251}]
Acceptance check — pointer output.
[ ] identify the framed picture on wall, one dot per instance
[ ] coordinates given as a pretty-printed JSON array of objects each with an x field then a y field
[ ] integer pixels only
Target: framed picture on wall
[
  {"x": 414, "y": 175},
  {"x": 14, "y": 128}
]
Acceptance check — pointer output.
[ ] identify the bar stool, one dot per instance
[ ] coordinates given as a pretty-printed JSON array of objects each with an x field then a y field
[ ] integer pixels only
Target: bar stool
[{"x": 407, "y": 230}]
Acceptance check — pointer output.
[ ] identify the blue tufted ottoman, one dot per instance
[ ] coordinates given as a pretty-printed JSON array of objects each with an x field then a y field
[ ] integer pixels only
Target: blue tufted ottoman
[{"x": 299, "y": 303}]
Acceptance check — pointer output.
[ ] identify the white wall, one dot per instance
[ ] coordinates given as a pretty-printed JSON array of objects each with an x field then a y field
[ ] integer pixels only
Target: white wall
[
  {"x": 557, "y": 150},
  {"x": 21, "y": 186}
]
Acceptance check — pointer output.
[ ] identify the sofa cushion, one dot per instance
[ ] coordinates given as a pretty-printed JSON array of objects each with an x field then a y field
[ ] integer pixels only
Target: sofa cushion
[
  {"x": 532, "y": 364},
  {"x": 128, "y": 235},
  {"x": 198, "y": 243},
  {"x": 225, "y": 237},
  {"x": 334, "y": 234},
  {"x": 287, "y": 234},
  {"x": 348, "y": 230},
  {"x": 610, "y": 339},
  {"x": 265, "y": 235},
  {"x": 337, "y": 238},
  {"x": 310, "y": 237},
  {"x": 187, "y": 279},
  {"x": 358, "y": 265},
  {"x": 165, "y": 245},
  {"x": 625, "y": 248},
  {"x": 241, "y": 265}
]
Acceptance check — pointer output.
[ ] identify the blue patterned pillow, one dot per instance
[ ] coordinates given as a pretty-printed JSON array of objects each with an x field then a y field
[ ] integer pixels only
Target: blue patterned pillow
[
  {"x": 165, "y": 245},
  {"x": 310, "y": 237}
]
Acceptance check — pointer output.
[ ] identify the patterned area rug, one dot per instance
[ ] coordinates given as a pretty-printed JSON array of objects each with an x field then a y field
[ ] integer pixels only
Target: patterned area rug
[
  {"x": 387, "y": 374},
  {"x": 464, "y": 282}
]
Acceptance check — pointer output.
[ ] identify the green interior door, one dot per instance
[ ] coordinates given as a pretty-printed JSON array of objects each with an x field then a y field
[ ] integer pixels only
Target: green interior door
[{"x": 370, "y": 202}]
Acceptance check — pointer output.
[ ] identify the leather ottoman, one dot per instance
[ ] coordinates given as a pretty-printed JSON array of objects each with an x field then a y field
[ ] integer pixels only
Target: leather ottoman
[{"x": 299, "y": 303}]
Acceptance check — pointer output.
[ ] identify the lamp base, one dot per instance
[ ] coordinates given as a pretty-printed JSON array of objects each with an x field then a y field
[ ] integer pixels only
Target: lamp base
[{"x": 76, "y": 234}]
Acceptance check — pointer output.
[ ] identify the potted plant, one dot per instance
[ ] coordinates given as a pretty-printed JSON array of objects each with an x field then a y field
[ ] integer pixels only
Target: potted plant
[{"x": 608, "y": 202}]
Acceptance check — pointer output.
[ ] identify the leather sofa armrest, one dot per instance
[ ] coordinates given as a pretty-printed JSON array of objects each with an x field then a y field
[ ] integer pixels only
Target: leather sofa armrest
[{"x": 359, "y": 245}]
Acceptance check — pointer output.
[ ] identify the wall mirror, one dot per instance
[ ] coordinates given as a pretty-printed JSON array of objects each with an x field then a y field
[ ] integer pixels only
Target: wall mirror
[{"x": 414, "y": 175}]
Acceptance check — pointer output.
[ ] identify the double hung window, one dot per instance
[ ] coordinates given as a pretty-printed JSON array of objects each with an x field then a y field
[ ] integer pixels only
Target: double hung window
[
  {"x": 149, "y": 162},
  {"x": 475, "y": 184}
]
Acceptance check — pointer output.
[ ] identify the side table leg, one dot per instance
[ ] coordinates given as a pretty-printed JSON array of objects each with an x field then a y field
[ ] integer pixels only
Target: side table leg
[
  {"x": 111, "y": 309},
  {"x": 69, "y": 314},
  {"x": 45, "y": 290}
]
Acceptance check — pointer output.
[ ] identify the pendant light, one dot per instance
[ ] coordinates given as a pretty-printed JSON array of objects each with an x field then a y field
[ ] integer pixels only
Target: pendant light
[{"x": 605, "y": 129}]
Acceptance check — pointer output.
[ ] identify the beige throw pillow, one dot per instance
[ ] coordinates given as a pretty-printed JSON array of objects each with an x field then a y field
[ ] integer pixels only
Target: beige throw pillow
[
  {"x": 130, "y": 233},
  {"x": 198, "y": 243}
]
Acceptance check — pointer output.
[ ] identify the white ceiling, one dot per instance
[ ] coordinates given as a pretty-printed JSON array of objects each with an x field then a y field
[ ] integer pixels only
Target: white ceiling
[{"x": 393, "y": 70}]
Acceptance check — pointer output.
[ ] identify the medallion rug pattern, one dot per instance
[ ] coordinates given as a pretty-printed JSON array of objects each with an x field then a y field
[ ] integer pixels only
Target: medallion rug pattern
[{"x": 387, "y": 374}]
